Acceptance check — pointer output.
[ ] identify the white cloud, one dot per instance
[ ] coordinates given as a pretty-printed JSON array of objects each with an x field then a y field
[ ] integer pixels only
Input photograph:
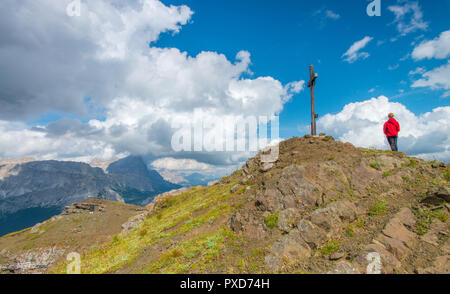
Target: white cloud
[
  {"x": 332, "y": 15},
  {"x": 53, "y": 62},
  {"x": 393, "y": 67},
  {"x": 438, "y": 48},
  {"x": 408, "y": 17},
  {"x": 419, "y": 70},
  {"x": 361, "y": 124},
  {"x": 353, "y": 53},
  {"x": 436, "y": 79}
]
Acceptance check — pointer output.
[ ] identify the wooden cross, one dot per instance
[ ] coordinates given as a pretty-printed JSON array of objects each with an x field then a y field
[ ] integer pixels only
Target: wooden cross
[{"x": 312, "y": 82}]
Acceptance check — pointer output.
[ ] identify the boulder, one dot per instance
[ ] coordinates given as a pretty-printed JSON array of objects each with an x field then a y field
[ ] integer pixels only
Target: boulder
[
  {"x": 286, "y": 252},
  {"x": 396, "y": 230},
  {"x": 395, "y": 246},
  {"x": 287, "y": 219},
  {"x": 332, "y": 215},
  {"x": 267, "y": 167},
  {"x": 311, "y": 234},
  {"x": 234, "y": 189},
  {"x": 133, "y": 222},
  {"x": 389, "y": 264},
  {"x": 437, "y": 229},
  {"x": 296, "y": 189},
  {"x": 436, "y": 196}
]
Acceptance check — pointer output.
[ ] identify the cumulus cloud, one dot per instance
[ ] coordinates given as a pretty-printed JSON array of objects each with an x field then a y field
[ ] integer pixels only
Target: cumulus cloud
[
  {"x": 438, "y": 48},
  {"x": 361, "y": 124},
  {"x": 408, "y": 17},
  {"x": 353, "y": 53},
  {"x": 51, "y": 61},
  {"x": 54, "y": 62},
  {"x": 438, "y": 78}
]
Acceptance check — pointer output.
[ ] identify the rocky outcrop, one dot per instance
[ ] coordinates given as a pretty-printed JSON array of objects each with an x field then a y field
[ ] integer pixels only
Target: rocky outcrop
[
  {"x": 323, "y": 197},
  {"x": 133, "y": 222},
  {"x": 33, "y": 261}
]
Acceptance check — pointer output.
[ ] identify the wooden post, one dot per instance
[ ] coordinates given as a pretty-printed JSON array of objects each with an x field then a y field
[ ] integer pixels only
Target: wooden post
[{"x": 311, "y": 84}]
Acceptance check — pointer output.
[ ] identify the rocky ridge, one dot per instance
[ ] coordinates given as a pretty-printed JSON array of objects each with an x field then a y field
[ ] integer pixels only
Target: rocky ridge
[{"x": 321, "y": 206}]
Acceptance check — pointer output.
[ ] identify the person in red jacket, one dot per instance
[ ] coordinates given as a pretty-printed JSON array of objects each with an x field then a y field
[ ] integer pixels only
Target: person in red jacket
[{"x": 391, "y": 129}]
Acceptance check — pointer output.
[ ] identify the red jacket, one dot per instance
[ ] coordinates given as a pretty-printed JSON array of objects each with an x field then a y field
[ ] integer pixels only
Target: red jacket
[{"x": 391, "y": 128}]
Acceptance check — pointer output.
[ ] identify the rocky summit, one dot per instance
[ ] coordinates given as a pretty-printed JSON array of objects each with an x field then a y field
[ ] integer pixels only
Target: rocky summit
[{"x": 321, "y": 206}]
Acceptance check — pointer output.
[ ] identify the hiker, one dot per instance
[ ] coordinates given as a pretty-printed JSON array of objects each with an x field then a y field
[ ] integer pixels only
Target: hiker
[{"x": 391, "y": 129}]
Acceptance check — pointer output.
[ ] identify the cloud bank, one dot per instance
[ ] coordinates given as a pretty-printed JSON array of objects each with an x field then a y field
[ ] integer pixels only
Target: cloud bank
[
  {"x": 121, "y": 90},
  {"x": 361, "y": 124}
]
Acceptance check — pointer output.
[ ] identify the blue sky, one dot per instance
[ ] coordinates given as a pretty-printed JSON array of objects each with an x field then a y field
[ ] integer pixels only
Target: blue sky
[
  {"x": 111, "y": 80},
  {"x": 284, "y": 37}
]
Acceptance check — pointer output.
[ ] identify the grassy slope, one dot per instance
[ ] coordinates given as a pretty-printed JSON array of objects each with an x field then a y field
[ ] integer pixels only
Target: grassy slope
[
  {"x": 196, "y": 216},
  {"x": 189, "y": 233},
  {"x": 75, "y": 232}
]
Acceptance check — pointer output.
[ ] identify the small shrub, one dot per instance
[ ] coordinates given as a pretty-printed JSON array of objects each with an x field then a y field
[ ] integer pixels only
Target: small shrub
[
  {"x": 422, "y": 227},
  {"x": 271, "y": 221},
  {"x": 330, "y": 248},
  {"x": 375, "y": 165},
  {"x": 350, "y": 231},
  {"x": 361, "y": 223},
  {"x": 412, "y": 163},
  {"x": 379, "y": 208},
  {"x": 447, "y": 176},
  {"x": 77, "y": 220},
  {"x": 115, "y": 239},
  {"x": 143, "y": 232},
  {"x": 386, "y": 174},
  {"x": 176, "y": 253},
  {"x": 441, "y": 216}
]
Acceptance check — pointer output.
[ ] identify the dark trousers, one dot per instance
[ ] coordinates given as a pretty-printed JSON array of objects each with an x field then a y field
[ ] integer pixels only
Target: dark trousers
[{"x": 393, "y": 142}]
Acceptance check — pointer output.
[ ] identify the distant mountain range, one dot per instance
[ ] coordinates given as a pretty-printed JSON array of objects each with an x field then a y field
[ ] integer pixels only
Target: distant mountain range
[
  {"x": 32, "y": 191},
  {"x": 188, "y": 179}
]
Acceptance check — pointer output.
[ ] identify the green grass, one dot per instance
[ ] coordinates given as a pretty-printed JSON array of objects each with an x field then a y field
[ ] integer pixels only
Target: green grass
[
  {"x": 375, "y": 165},
  {"x": 412, "y": 163},
  {"x": 350, "y": 231},
  {"x": 174, "y": 216},
  {"x": 386, "y": 174},
  {"x": 271, "y": 221},
  {"x": 379, "y": 208},
  {"x": 16, "y": 233},
  {"x": 361, "y": 223},
  {"x": 425, "y": 218},
  {"x": 329, "y": 248},
  {"x": 447, "y": 176}
]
